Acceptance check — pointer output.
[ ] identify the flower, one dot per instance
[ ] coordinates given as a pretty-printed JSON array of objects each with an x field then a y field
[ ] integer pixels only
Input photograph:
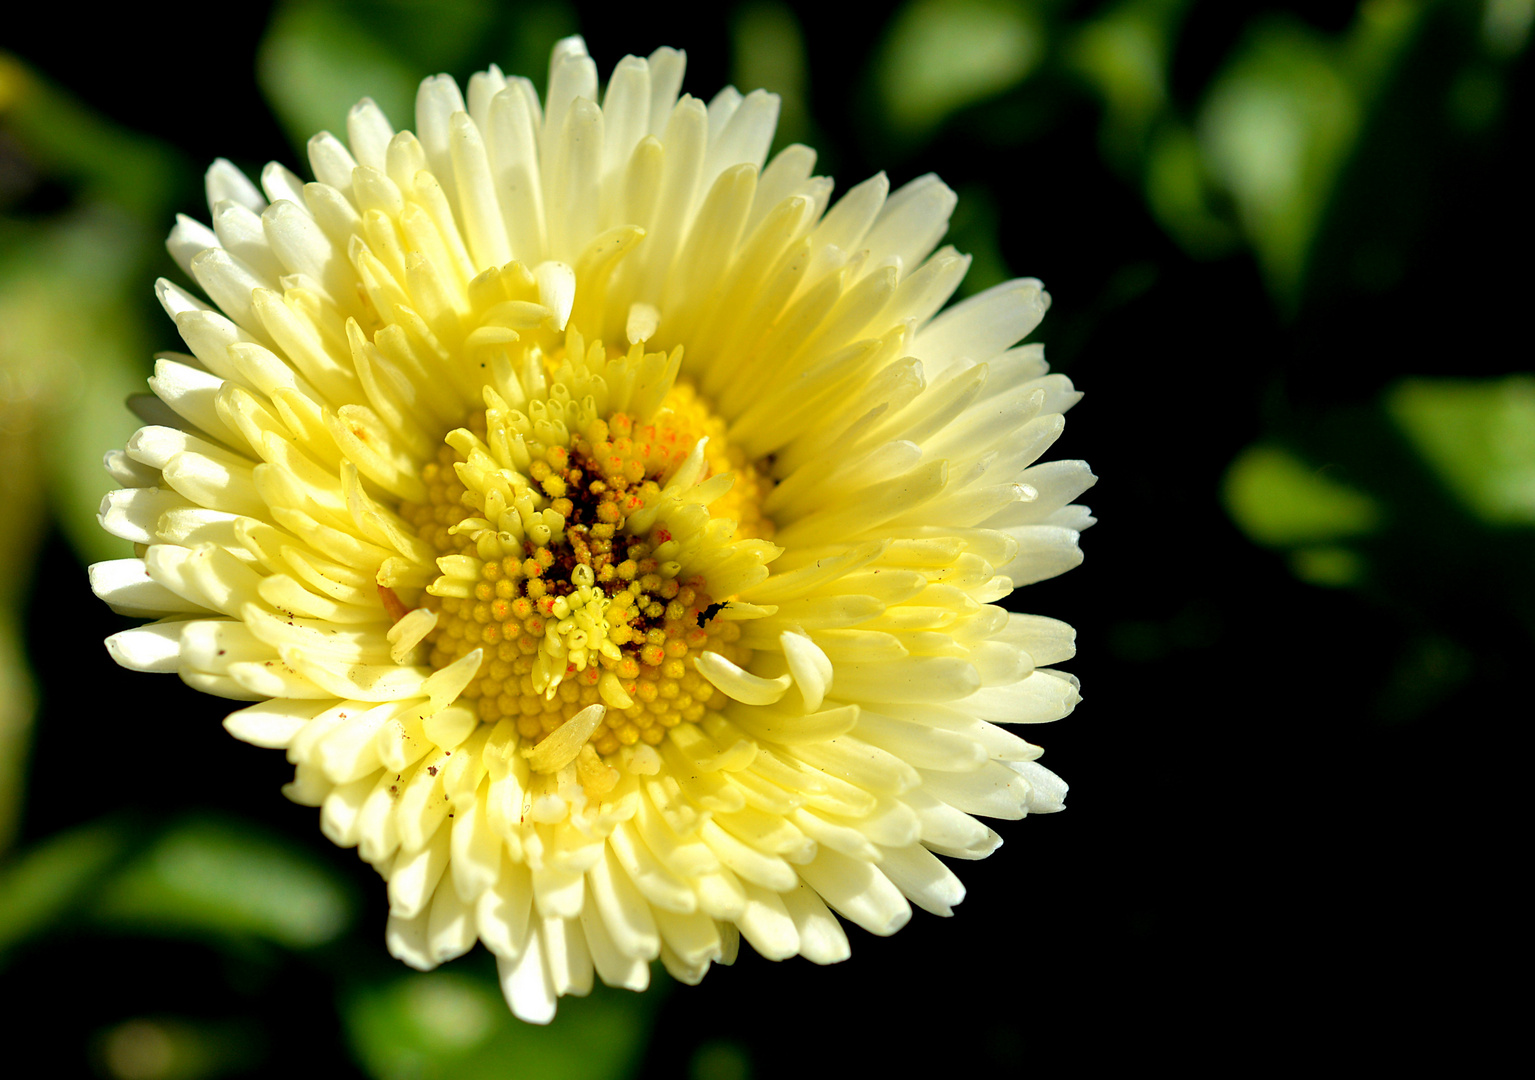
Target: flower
[{"x": 610, "y": 532}]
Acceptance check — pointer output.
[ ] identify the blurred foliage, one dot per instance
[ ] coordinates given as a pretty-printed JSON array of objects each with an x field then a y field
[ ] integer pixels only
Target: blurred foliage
[
  {"x": 454, "y": 1026},
  {"x": 720, "y": 1059},
  {"x": 197, "y": 877},
  {"x": 1278, "y": 500},
  {"x": 768, "y": 51},
  {"x": 1479, "y": 439},
  {"x": 942, "y": 55},
  {"x": 209, "y": 877},
  {"x": 1267, "y": 226},
  {"x": 71, "y": 346},
  {"x": 49, "y": 881},
  {"x": 173, "y": 1048},
  {"x": 320, "y": 57},
  {"x": 74, "y": 346},
  {"x": 316, "y": 63}
]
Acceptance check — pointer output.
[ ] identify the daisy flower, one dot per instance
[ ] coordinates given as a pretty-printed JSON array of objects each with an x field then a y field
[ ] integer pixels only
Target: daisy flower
[{"x": 609, "y": 525}]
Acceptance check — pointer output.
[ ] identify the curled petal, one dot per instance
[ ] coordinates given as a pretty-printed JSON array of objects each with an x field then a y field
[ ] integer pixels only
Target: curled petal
[{"x": 738, "y": 683}]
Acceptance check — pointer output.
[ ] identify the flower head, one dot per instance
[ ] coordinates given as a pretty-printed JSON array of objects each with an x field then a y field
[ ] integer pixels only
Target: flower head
[{"x": 609, "y": 527}]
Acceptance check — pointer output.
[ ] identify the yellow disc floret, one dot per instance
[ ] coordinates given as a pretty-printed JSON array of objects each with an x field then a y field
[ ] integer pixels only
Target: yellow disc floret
[{"x": 543, "y": 570}]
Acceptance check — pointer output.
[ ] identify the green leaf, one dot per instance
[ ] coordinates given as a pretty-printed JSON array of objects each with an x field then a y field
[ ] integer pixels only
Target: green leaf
[
  {"x": 454, "y": 1025},
  {"x": 319, "y": 58},
  {"x": 1274, "y": 129},
  {"x": 439, "y": 35},
  {"x": 1478, "y": 437},
  {"x": 207, "y": 877},
  {"x": 1506, "y": 25},
  {"x": 1332, "y": 567},
  {"x": 1280, "y": 125},
  {"x": 18, "y": 701},
  {"x": 720, "y": 1059},
  {"x": 72, "y": 286},
  {"x": 939, "y": 56},
  {"x": 175, "y": 1048},
  {"x": 1279, "y": 501},
  {"x": 66, "y": 141},
  {"x": 1179, "y": 192},
  {"x": 1124, "y": 53},
  {"x": 316, "y": 62},
  {"x": 43, "y": 882},
  {"x": 768, "y": 51},
  {"x": 76, "y": 346}
]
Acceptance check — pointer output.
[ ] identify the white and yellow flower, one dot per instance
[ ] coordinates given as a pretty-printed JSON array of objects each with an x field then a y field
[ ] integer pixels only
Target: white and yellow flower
[{"x": 610, "y": 531}]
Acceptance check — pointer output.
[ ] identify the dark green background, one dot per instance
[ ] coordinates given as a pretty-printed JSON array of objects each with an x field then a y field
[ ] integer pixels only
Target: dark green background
[{"x": 1288, "y": 245}]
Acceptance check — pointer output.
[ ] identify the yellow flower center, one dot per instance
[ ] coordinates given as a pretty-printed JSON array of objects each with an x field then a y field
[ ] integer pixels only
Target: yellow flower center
[{"x": 555, "y": 565}]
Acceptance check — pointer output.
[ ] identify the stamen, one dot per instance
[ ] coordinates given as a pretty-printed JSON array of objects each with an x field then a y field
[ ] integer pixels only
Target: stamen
[{"x": 555, "y": 565}]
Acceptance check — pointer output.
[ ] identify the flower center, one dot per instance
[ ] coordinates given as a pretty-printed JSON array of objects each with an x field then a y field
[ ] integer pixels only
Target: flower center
[{"x": 555, "y": 564}]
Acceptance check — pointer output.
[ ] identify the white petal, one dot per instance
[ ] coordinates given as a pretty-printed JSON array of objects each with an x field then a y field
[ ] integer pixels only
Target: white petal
[
  {"x": 768, "y": 926},
  {"x": 368, "y": 131},
  {"x": 273, "y": 724},
  {"x": 925, "y": 881},
  {"x": 1047, "y": 792},
  {"x": 224, "y": 181},
  {"x": 821, "y": 938},
  {"x": 858, "y": 892},
  {"x": 415, "y": 877},
  {"x": 738, "y": 683},
  {"x": 406, "y": 940},
  {"x": 984, "y": 325},
  {"x": 526, "y": 985},
  {"x": 1044, "y": 696},
  {"x": 810, "y": 667},
  {"x": 154, "y": 647},
  {"x": 125, "y": 584},
  {"x": 912, "y": 221},
  {"x": 450, "y": 929}
]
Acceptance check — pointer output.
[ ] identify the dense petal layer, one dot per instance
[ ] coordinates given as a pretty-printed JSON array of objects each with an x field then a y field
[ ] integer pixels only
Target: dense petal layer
[{"x": 609, "y": 526}]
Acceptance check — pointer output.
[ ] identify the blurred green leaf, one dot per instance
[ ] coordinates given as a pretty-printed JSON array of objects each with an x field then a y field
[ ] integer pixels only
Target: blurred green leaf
[
  {"x": 939, "y": 56},
  {"x": 173, "y": 1048},
  {"x": 320, "y": 57},
  {"x": 1280, "y": 123},
  {"x": 66, "y": 141},
  {"x": 207, "y": 877},
  {"x": 1124, "y": 53},
  {"x": 71, "y": 344},
  {"x": 768, "y": 51},
  {"x": 720, "y": 1059},
  {"x": 457, "y": 1027},
  {"x": 1478, "y": 437},
  {"x": 17, "y": 702},
  {"x": 44, "y": 882},
  {"x": 1506, "y": 25},
  {"x": 1279, "y": 501},
  {"x": 1275, "y": 128},
  {"x": 1327, "y": 565},
  {"x": 433, "y": 35},
  {"x": 1433, "y": 91},
  {"x": 75, "y": 347},
  {"x": 1178, "y": 191},
  {"x": 317, "y": 61}
]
